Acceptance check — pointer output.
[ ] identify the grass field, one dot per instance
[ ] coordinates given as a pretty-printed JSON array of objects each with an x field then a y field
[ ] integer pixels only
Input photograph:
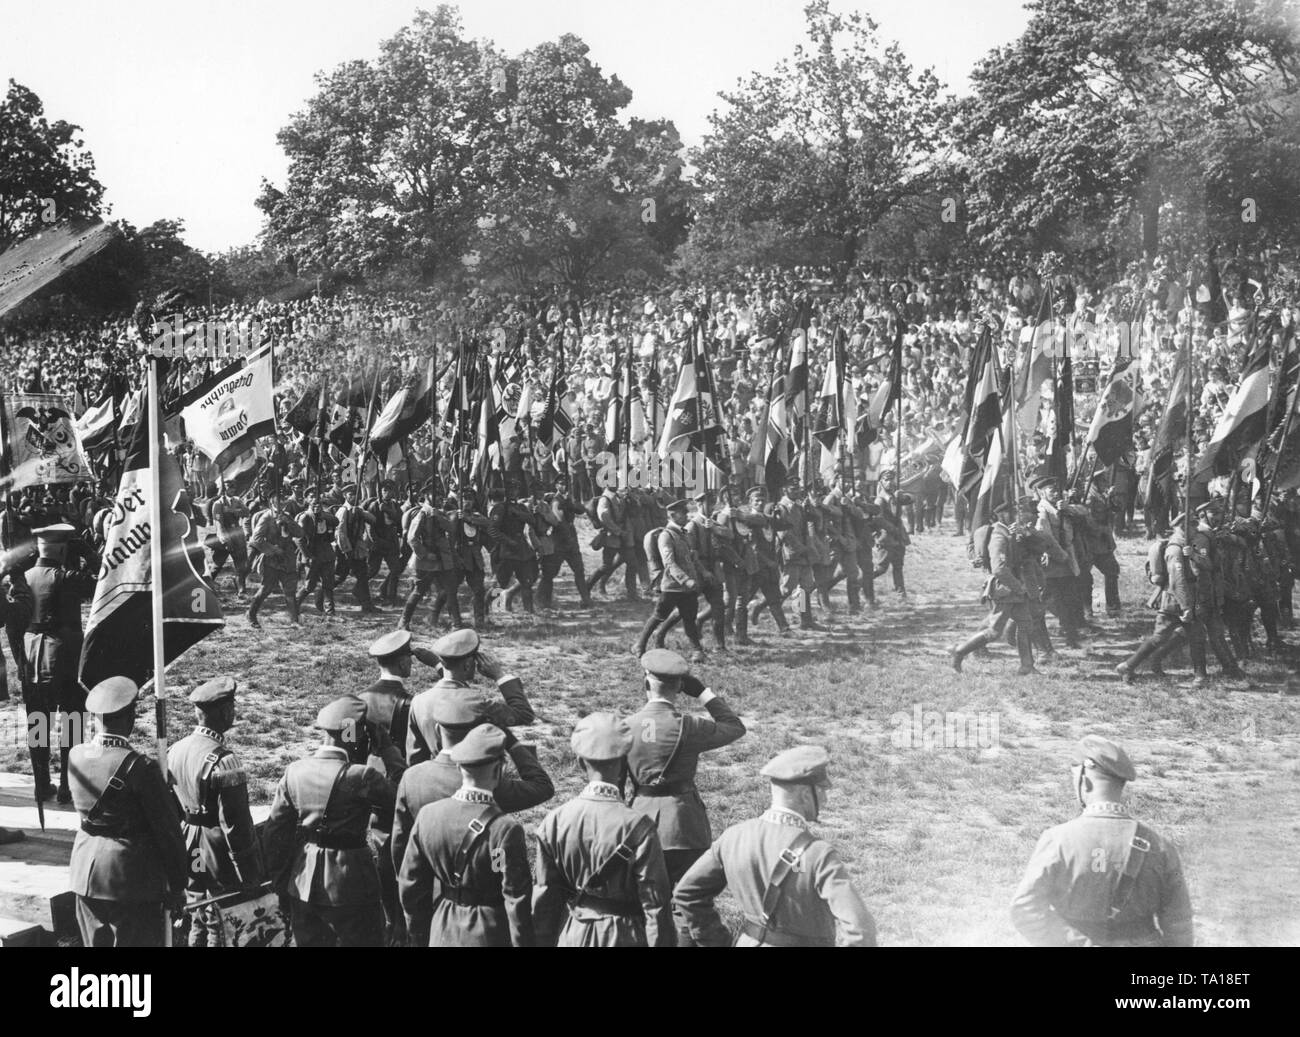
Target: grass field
[{"x": 936, "y": 836}]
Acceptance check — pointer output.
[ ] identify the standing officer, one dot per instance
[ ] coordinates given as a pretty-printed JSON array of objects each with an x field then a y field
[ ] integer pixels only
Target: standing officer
[
  {"x": 473, "y": 854},
  {"x": 128, "y": 860},
  {"x": 316, "y": 547},
  {"x": 274, "y": 532},
  {"x": 1104, "y": 879},
  {"x": 52, "y": 649},
  {"x": 315, "y": 836},
  {"x": 461, "y": 656},
  {"x": 212, "y": 789},
  {"x": 791, "y": 887},
  {"x": 388, "y": 703},
  {"x": 439, "y": 777},
  {"x": 665, "y": 755},
  {"x": 679, "y": 583},
  {"x": 600, "y": 879}
]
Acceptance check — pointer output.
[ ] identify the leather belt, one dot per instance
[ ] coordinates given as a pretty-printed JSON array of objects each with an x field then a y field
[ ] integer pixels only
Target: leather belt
[
  {"x": 336, "y": 841},
  {"x": 671, "y": 788},
  {"x": 463, "y": 896},
  {"x": 770, "y": 937},
  {"x": 606, "y": 906}
]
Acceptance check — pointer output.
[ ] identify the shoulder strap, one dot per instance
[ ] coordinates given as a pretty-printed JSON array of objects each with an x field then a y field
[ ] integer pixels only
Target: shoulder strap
[
  {"x": 622, "y": 853},
  {"x": 329, "y": 800},
  {"x": 1139, "y": 847},
  {"x": 473, "y": 832},
  {"x": 786, "y": 863},
  {"x": 114, "y": 787},
  {"x": 205, "y": 774}
]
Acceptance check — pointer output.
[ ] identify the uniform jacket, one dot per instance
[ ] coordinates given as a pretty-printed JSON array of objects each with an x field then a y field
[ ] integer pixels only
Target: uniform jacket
[
  {"x": 1052, "y": 524},
  {"x": 439, "y": 778},
  {"x": 794, "y": 533},
  {"x": 133, "y": 852},
  {"x": 388, "y": 707},
  {"x": 612, "y": 511},
  {"x": 223, "y": 851},
  {"x": 350, "y": 536},
  {"x": 273, "y": 537},
  {"x": 316, "y": 874},
  {"x": 1006, "y": 555},
  {"x": 317, "y": 541},
  {"x": 576, "y": 839},
  {"x": 680, "y": 574},
  {"x": 429, "y": 535},
  {"x": 1066, "y": 895},
  {"x": 665, "y": 754},
  {"x": 496, "y": 877},
  {"x": 508, "y": 526},
  {"x": 422, "y": 735},
  {"x": 820, "y": 905}
]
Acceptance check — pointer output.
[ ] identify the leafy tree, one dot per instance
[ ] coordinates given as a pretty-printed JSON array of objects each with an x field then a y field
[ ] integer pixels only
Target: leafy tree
[
  {"x": 41, "y": 162},
  {"x": 1107, "y": 108},
  {"x": 829, "y": 142}
]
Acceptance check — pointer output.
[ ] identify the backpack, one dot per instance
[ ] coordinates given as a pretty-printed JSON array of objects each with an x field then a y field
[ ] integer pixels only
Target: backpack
[
  {"x": 654, "y": 559},
  {"x": 1157, "y": 571}
]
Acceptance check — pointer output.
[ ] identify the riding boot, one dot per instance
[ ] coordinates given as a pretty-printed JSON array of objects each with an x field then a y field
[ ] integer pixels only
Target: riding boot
[
  {"x": 646, "y": 631},
  {"x": 291, "y": 603},
  {"x": 665, "y": 627},
  {"x": 1128, "y": 669},
  {"x": 41, "y": 772},
  {"x": 742, "y": 623},
  {"x": 511, "y": 593},
  {"x": 1200, "y": 675},
  {"x": 958, "y": 652}
]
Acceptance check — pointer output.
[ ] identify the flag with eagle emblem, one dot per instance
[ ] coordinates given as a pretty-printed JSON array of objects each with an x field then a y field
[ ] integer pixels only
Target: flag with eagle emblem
[
  {"x": 40, "y": 441},
  {"x": 1111, "y": 432}
]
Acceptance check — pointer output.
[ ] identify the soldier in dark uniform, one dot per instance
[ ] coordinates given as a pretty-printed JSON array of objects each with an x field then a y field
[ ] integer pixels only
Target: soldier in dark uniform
[
  {"x": 513, "y": 558},
  {"x": 464, "y": 878},
  {"x": 228, "y": 513},
  {"x": 615, "y": 540},
  {"x": 711, "y": 551},
  {"x": 557, "y": 513},
  {"x": 428, "y": 533},
  {"x": 665, "y": 755},
  {"x": 353, "y": 550},
  {"x": 796, "y": 555},
  {"x": 388, "y": 703},
  {"x": 439, "y": 777},
  {"x": 52, "y": 650},
  {"x": 386, "y": 547},
  {"x": 1104, "y": 879},
  {"x": 316, "y": 548},
  {"x": 764, "y": 523},
  {"x": 274, "y": 532},
  {"x": 462, "y": 657},
  {"x": 467, "y": 542},
  {"x": 316, "y": 835},
  {"x": 212, "y": 790},
  {"x": 793, "y": 890},
  {"x": 128, "y": 860},
  {"x": 679, "y": 583},
  {"x": 600, "y": 876}
]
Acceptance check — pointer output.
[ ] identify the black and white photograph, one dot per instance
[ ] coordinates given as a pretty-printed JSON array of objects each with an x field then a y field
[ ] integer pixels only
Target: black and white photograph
[{"x": 788, "y": 473}]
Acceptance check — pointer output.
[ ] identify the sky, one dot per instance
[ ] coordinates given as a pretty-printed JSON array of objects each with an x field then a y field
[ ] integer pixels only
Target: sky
[{"x": 179, "y": 103}]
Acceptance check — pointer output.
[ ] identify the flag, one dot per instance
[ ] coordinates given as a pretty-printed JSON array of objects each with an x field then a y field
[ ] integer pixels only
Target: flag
[
  {"x": 340, "y": 428},
  {"x": 1036, "y": 370},
  {"x": 1170, "y": 432},
  {"x": 1280, "y": 455},
  {"x": 39, "y": 441},
  {"x": 995, "y": 481},
  {"x": 1061, "y": 442},
  {"x": 407, "y": 410},
  {"x": 97, "y": 424},
  {"x": 1244, "y": 421},
  {"x": 983, "y": 410},
  {"x": 304, "y": 414},
  {"x": 487, "y": 425},
  {"x": 557, "y": 419},
  {"x": 690, "y": 424},
  {"x": 796, "y": 383},
  {"x": 239, "y": 475},
  {"x": 224, "y": 415},
  {"x": 828, "y": 413},
  {"x": 1111, "y": 431},
  {"x": 119, "y": 630}
]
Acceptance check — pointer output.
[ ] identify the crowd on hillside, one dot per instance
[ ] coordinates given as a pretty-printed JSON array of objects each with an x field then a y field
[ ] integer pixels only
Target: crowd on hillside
[{"x": 383, "y": 338}]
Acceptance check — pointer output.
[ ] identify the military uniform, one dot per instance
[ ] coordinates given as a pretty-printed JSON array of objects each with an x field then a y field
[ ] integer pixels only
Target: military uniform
[
  {"x": 353, "y": 539},
  {"x": 679, "y": 585},
  {"x": 464, "y": 877},
  {"x": 228, "y": 513},
  {"x": 600, "y": 875},
  {"x": 1103, "y": 879},
  {"x": 428, "y": 532},
  {"x": 211, "y": 788},
  {"x": 663, "y": 760},
  {"x": 316, "y": 547},
  {"x": 793, "y": 890},
  {"x": 615, "y": 539},
  {"x": 763, "y": 523},
  {"x": 513, "y": 558},
  {"x": 1005, "y": 591},
  {"x": 128, "y": 859},
  {"x": 273, "y": 535},
  {"x": 52, "y": 650},
  {"x": 558, "y": 513},
  {"x": 316, "y": 840},
  {"x": 386, "y": 547},
  {"x": 1061, "y": 593}
]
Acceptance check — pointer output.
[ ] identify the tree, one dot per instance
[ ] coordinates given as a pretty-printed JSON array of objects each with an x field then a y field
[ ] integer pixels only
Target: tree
[
  {"x": 46, "y": 173},
  {"x": 1108, "y": 109},
  {"x": 829, "y": 142},
  {"x": 395, "y": 161}
]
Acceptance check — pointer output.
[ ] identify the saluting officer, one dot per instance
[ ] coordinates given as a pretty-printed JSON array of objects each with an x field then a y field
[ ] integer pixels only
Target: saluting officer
[
  {"x": 600, "y": 879},
  {"x": 461, "y": 656},
  {"x": 1104, "y": 879},
  {"x": 52, "y": 649},
  {"x": 315, "y": 836},
  {"x": 792, "y": 888},
  {"x": 665, "y": 755},
  {"x": 212, "y": 789},
  {"x": 128, "y": 860},
  {"x": 388, "y": 703},
  {"x": 439, "y": 777},
  {"x": 464, "y": 878}
]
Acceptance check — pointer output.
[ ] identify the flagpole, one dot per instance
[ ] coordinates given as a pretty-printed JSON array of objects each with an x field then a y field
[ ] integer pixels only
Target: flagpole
[
  {"x": 156, "y": 599},
  {"x": 898, "y": 430},
  {"x": 1280, "y": 453},
  {"x": 1191, "y": 449}
]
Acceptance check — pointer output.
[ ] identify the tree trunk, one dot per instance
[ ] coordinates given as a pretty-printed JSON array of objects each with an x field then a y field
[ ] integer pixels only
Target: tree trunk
[
  {"x": 1150, "y": 209},
  {"x": 850, "y": 247}
]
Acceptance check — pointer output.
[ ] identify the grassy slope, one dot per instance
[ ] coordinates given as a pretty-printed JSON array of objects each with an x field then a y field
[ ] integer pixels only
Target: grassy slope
[{"x": 936, "y": 837}]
